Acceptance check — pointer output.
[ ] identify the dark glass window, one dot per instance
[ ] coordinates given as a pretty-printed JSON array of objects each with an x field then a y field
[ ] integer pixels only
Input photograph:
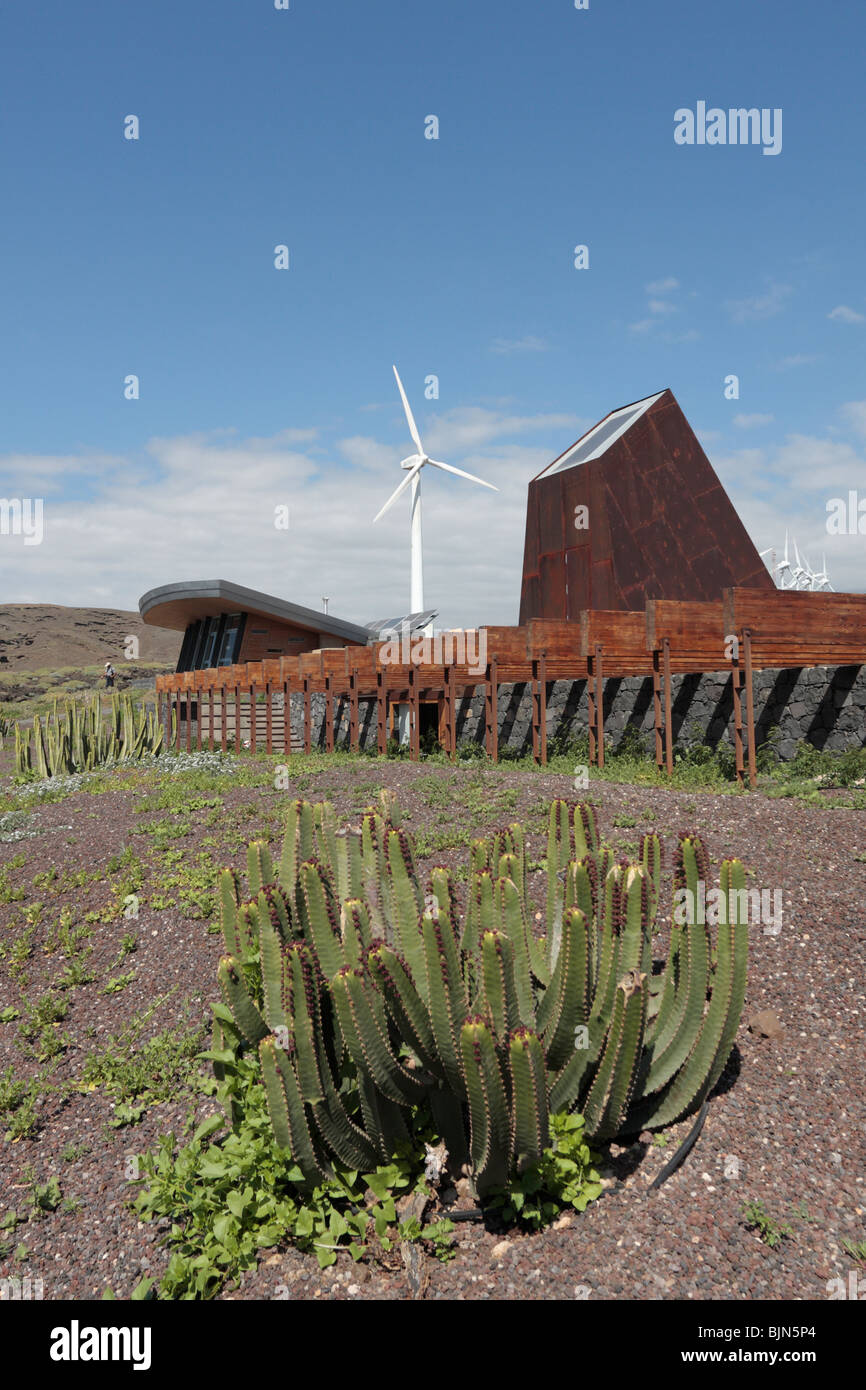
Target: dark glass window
[
  {"x": 209, "y": 642},
  {"x": 188, "y": 646},
  {"x": 230, "y": 641}
]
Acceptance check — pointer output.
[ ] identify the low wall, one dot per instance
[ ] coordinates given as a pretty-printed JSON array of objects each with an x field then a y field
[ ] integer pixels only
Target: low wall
[{"x": 825, "y": 706}]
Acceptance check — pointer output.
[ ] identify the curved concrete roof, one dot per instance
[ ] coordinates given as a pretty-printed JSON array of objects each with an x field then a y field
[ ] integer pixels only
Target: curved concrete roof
[{"x": 178, "y": 605}]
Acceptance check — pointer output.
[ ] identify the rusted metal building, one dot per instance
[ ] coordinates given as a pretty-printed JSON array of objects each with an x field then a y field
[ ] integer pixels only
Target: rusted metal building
[{"x": 633, "y": 511}]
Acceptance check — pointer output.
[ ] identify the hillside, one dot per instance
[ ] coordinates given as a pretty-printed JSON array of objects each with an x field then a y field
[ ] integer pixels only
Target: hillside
[{"x": 47, "y": 636}]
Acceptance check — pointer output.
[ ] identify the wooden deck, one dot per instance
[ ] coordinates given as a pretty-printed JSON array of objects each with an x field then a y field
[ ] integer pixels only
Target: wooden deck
[{"x": 749, "y": 629}]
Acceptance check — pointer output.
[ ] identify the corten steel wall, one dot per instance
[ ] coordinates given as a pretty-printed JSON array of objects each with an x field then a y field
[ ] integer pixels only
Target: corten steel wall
[{"x": 660, "y": 526}]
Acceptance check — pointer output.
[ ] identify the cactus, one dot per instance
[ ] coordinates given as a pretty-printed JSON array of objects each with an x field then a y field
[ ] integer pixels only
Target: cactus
[
  {"x": 80, "y": 739},
  {"x": 367, "y": 997}
]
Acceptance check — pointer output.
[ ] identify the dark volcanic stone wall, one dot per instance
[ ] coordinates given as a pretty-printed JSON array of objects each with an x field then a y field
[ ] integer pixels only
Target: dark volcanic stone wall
[{"x": 826, "y": 706}]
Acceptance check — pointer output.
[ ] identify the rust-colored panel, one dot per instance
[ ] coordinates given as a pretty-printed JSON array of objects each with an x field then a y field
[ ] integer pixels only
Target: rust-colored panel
[
  {"x": 577, "y": 578},
  {"x": 552, "y": 586},
  {"x": 551, "y": 520}
]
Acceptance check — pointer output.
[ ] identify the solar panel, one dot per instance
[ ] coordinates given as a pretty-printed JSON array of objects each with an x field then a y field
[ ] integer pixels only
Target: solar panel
[{"x": 414, "y": 621}]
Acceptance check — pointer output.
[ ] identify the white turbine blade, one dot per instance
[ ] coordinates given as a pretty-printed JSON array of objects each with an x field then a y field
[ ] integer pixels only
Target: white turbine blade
[
  {"x": 762, "y": 553},
  {"x": 394, "y": 495},
  {"x": 449, "y": 468},
  {"x": 786, "y": 549},
  {"x": 413, "y": 428}
]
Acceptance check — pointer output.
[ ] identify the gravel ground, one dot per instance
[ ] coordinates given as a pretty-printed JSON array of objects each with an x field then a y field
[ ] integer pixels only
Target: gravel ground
[{"x": 786, "y": 1127}]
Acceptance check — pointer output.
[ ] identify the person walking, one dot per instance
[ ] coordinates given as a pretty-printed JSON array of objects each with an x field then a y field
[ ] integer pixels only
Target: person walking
[{"x": 109, "y": 676}]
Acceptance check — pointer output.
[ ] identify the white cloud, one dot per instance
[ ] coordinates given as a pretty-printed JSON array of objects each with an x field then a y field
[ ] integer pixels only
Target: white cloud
[
  {"x": 797, "y": 359},
  {"x": 202, "y": 506},
  {"x": 506, "y": 346},
  {"x": 760, "y": 306},
  {"x": 747, "y": 422},
  {"x": 843, "y": 314},
  {"x": 787, "y": 487},
  {"x": 663, "y": 286},
  {"x": 642, "y": 326},
  {"x": 661, "y": 306},
  {"x": 855, "y": 413}
]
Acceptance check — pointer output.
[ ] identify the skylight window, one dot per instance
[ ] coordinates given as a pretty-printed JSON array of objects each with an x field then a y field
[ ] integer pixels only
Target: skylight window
[{"x": 602, "y": 435}]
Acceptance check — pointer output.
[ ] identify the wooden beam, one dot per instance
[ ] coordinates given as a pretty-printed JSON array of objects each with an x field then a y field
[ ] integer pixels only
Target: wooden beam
[
  {"x": 750, "y": 706},
  {"x": 237, "y": 718},
  {"x": 224, "y": 720},
  {"x": 450, "y": 724},
  {"x": 253, "y": 716},
  {"x": 308, "y": 722},
  {"x": 657, "y": 708},
  {"x": 491, "y": 705},
  {"x": 599, "y": 704},
  {"x": 269, "y": 719},
  {"x": 381, "y": 715},
  {"x": 542, "y": 692},
  {"x": 590, "y": 708},
  {"x": 329, "y": 716},
  {"x": 737, "y": 686},
  {"x": 669, "y": 736},
  {"x": 414, "y": 715},
  {"x": 354, "y": 730},
  {"x": 210, "y": 708}
]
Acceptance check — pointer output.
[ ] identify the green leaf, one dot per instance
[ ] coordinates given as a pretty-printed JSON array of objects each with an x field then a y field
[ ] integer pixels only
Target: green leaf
[{"x": 208, "y": 1127}]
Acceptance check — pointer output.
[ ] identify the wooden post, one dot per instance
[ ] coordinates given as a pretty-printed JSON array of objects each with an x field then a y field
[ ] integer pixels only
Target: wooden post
[
  {"x": 354, "y": 730},
  {"x": 536, "y": 713},
  {"x": 269, "y": 719},
  {"x": 493, "y": 718},
  {"x": 188, "y": 694},
  {"x": 253, "y": 717},
  {"x": 224, "y": 719},
  {"x": 669, "y": 741},
  {"x": 414, "y": 715},
  {"x": 750, "y": 706},
  {"x": 450, "y": 724},
  {"x": 737, "y": 680},
  {"x": 198, "y": 721},
  {"x": 657, "y": 708},
  {"x": 177, "y": 716},
  {"x": 542, "y": 706},
  {"x": 599, "y": 705},
  {"x": 287, "y": 718},
  {"x": 329, "y": 716},
  {"x": 590, "y": 708},
  {"x": 308, "y": 730},
  {"x": 237, "y": 718},
  {"x": 210, "y": 704},
  {"x": 381, "y": 715}
]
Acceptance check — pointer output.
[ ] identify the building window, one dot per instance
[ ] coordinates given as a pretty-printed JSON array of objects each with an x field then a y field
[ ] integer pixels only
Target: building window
[{"x": 230, "y": 640}]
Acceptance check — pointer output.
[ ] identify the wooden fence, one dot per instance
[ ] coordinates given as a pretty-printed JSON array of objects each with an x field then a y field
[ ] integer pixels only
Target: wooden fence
[{"x": 749, "y": 629}]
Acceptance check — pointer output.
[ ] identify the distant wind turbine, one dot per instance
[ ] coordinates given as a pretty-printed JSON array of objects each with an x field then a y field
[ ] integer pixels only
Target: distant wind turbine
[{"x": 413, "y": 464}]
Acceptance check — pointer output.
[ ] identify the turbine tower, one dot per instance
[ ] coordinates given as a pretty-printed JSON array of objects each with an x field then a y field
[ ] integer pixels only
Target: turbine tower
[{"x": 413, "y": 465}]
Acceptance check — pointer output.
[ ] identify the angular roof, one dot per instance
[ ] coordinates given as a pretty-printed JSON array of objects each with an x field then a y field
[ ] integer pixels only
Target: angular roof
[{"x": 178, "y": 605}]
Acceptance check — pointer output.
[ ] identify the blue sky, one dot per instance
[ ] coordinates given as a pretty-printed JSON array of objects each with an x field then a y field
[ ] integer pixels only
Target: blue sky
[{"x": 451, "y": 257}]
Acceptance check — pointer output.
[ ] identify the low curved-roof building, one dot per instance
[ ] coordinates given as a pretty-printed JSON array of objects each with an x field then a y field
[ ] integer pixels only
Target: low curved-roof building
[{"x": 225, "y": 624}]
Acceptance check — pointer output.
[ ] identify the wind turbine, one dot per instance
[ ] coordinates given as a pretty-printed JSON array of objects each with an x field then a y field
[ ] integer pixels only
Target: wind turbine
[
  {"x": 413, "y": 464},
  {"x": 822, "y": 579},
  {"x": 799, "y": 574}
]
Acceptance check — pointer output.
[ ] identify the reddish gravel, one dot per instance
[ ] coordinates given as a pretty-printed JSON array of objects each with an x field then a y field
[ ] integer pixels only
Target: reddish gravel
[{"x": 786, "y": 1127}]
